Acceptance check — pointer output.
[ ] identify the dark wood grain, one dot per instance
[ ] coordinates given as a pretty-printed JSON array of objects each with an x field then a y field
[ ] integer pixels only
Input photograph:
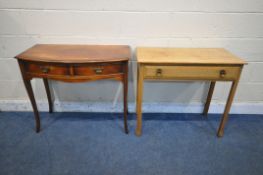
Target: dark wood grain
[
  {"x": 30, "y": 93},
  {"x": 47, "y": 68},
  {"x": 74, "y": 63},
  {"x": 97, "y": 69},
  {"x": 64, "y": 53},
  {"x": 125, "y": 95}
]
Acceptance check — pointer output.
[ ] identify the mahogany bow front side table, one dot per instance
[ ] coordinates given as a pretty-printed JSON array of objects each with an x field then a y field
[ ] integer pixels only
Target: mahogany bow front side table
[
  {"x": 208, "y": 64},
  {"x": 74, "y": 63}
]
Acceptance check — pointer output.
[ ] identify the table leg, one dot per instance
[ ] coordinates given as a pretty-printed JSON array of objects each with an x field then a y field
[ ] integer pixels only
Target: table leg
[
  {"x": 139, "y": 100},
  {"x": 49, "y": 97},
  {"x": 209, "y": 97},
  {"x": 28, "y": 86},
  {"x": 125, "y": 94},
  {"x": 30, "y": 93},
  {"x": 231, "y": 95}
]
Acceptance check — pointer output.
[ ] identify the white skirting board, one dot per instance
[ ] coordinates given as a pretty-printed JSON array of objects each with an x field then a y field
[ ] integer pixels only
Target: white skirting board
[{"x": 237, "y": 108}]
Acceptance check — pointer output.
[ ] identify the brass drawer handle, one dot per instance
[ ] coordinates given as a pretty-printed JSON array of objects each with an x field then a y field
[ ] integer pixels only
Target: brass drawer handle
[
  {"x": 159, "y": 72},
  {"x": 222, "y": 73},
  {"x": 44, "y": 69},
  {"x": 98, "y": 70}
]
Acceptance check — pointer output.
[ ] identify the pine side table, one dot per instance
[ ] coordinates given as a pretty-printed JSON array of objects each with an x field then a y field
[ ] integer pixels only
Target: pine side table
[
  {"x": 74, "y": 63},
  {"x": 207, "y": 64}
]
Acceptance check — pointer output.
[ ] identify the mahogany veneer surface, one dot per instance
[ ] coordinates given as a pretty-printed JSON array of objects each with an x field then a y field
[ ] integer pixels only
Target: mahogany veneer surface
[
  {"x": 76, "y": 53},
  {"x": 74, "y": 63}
]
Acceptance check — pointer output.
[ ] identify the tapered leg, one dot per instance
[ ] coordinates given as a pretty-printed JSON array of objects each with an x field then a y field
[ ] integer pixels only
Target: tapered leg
[
  {"x": 138, "y": 131},
  {"x": 209, "y": 97},
  {"x": 125, "y": 94},
  {"x": 33, "y": 102},
  {"x": 49, "y": 97},
  {"x": 220, "y": 131}
]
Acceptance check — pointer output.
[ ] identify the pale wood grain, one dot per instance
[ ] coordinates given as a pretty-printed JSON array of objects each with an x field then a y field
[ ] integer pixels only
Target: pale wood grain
[
  {"x": 209, "y": 97},
  {"x": 213, "y": 64},
  {"x": 139, "y": 98},
  {"x": 192, "y": 72},
  {"x": 187, "y": 56},
  {"x": 220, "y": 131}
]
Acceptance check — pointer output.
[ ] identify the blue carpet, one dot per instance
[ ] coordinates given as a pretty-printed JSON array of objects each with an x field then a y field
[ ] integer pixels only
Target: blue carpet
[{"x": 95, "y": 144}]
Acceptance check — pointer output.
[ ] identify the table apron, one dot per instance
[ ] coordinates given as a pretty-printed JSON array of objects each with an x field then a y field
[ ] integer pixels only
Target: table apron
[
  {"x": 218, "y": 73},
  {"x": 69, "y": 78}
]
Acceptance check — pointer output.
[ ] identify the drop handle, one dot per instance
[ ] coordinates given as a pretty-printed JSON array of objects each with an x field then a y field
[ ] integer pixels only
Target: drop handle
[
  {"x": 98, "y": 70},
  {"x": 45, "y": 69},
  {"x": 222, "y": 73},
  {"x": 159, "y": 72}
]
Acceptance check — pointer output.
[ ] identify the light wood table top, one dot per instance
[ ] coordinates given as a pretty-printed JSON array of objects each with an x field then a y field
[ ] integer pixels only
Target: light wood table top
[
  {"x": 187, "y": 56},
  {"x": 207, "y": 64},
  {"x": 76, "y": 53}
]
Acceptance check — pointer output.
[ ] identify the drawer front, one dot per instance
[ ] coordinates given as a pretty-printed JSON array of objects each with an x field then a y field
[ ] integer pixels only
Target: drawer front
[
  {"x": 98, "y": 69},
  {"x": 47, "y": 69},
  {"x": 192, "y": 72}
]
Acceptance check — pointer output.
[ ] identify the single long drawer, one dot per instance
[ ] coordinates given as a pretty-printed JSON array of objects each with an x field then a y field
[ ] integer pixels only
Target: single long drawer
[
  {"x": 192, "y": 72},
  {"x": 47, "y": 69},
  {"x": 97, "y": 69}
]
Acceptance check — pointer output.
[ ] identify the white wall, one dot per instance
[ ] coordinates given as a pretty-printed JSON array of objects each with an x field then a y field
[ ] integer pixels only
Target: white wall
[{"x": 236, "y": 25}]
